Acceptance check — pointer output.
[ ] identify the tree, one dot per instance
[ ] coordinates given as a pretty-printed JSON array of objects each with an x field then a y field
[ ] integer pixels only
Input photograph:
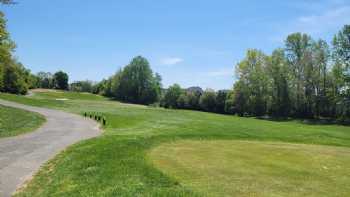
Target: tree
[
  {"x": 319, "y": 76},
  {"x": 278, "y": 71},
  {"x": 341, "y": 55},
  {"x": 82, "y": 86},
  {"x": 45, "y": 80},
  {"x": 253, "y": 83},
  {"x": 208, "y": 100},
  {"x": 60, "y": 79},
  {"x": 229, "y": 103},
  {"x": 13, "y": 80},
  {"x": 221, "y": 97},
  {"x": 171, "y": 96},
  {"x": 182, "y": 101},
  {"x": 136, "y": 83},
  {"x": 298, "y": 51},
  {"x": 240, "y": 99}
]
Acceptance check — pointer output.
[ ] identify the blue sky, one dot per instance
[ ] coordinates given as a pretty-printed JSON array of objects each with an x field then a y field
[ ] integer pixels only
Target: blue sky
[{"x": 193, "y": 43}]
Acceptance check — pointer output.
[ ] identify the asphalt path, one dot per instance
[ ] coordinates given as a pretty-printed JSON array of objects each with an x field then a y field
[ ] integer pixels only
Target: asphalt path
[{"x": 21, "y": 156}]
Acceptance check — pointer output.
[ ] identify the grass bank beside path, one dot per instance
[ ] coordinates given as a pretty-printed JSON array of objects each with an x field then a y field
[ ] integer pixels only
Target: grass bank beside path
[
  {"x": 17, "y": 121},
  {"x": 116, "y": 163}
]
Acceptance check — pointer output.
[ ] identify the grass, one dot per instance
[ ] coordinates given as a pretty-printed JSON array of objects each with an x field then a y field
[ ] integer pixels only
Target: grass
[
  {"x": 251, "y": 168},
  {"x": 16, "y": 121},
  {"x": 116, "y": 163}
]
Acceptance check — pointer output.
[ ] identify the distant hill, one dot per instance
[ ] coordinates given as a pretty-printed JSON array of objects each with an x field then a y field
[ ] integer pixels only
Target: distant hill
[{"x": 195, "y": 89}]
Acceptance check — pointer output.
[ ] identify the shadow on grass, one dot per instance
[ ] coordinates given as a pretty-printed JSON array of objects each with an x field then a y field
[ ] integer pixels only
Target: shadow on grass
[{"x": 309, "y": 121}]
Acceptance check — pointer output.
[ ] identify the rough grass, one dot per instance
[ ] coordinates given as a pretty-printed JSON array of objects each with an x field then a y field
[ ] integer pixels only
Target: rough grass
[
  {"x": 16, "y": 121},
  {"x": 116, "y": 163},
  {"x": 249, "y": 168}
]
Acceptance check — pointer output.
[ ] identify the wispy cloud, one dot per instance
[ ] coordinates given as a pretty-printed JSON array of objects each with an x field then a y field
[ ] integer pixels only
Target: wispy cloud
[
  {"x": 326, "y": 21},
  {"x": 318, "y": 24},
  {"x": 169, "y": 61}
]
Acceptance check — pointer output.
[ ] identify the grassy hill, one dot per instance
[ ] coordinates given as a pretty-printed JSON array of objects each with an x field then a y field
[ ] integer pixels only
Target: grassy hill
[
  {"x": 148, "y": 151},
  {"x": 16, "y": 121}
]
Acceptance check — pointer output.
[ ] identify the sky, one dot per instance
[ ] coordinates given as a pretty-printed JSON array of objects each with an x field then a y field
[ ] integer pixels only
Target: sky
[{"x": 192, "y": 43}]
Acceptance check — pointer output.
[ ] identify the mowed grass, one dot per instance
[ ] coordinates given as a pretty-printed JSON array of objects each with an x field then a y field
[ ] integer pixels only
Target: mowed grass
[
  {"x": 16, "y": 121},
  {"x": 116, "y": 163},
  {"x": 251, "y": 168}
]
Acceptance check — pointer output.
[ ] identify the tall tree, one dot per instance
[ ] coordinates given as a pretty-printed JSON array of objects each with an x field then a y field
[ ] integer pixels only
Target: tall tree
[
  {"x": 253, "y": 82},
  {"x": 321, "y": 58},
  {"x": 298, "y": 51},
  {"x": 278, "y": 71},
  {"x": 60, "y": 79},
  {"x": 136, "y": 83},
  {"x": 341, "y": 54}
]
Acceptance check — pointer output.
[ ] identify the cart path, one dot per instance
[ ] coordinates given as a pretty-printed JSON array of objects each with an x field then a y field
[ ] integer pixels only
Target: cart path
[{"x": 21, "y": 156}]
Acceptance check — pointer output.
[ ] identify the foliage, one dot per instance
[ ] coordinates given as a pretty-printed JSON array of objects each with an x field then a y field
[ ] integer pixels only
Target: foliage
[
  {"x": 60, "y": 80},
  {"x": 82, "y": 86},
  {"x": 300, "y": 80},
  {"x": 171, "y": 97},
  {"x": 135, "y": 83},
  {"x": 14, "y": 78},
  {"x": 208, "y": 100},
  {"x": 45, "y": 80}
]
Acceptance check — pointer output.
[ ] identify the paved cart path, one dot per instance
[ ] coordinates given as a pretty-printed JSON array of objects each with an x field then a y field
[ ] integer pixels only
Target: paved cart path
[{"x": 22, "y": 156}]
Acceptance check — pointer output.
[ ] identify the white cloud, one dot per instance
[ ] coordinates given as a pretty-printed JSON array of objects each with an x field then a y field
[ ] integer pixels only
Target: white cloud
[
  {"x": 318, "y": 24},
  {"x": 325, "y": 22},
  {"x": 171, "y": 61}
]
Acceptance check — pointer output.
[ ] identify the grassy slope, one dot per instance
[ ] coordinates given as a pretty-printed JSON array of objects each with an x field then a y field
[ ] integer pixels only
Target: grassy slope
[
  {"x": 16, "y": 121},
  {"x": 251, "y": 168},
  {"x": 116, "y": 163}
]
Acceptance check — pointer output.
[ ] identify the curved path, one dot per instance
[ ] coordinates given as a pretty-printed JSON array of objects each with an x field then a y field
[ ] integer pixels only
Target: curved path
[{"x": 22, "y": 156}]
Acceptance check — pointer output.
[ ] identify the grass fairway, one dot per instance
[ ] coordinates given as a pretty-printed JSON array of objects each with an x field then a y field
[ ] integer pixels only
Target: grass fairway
[
  {"x": 16, "y": 121},
  {"x": 249, "y": 168},
  {"x": 116, "y": 163}
]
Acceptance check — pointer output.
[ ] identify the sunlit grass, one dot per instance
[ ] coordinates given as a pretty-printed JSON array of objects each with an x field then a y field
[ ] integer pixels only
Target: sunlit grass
[
  {"x": 249, "y": 168},
  {"x": 16, "y": 121},
  {"x": 116, "y": 163}
]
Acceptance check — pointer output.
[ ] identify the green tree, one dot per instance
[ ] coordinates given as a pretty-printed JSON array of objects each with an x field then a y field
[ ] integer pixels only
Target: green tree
[
  {"x": 221, "y": 97},
  {"x": 170, "y": 99},
  {"x": 82, "y": 86},
  {"x": 253, "y": 82},
  {"x": 207, "y": 100},
  {"x": 136, "y": 83},
  {"x": 298, "y": 51},
  {"x": 319, "y": 77},
  {"x": 60, "y": 79},
  {"x": 341, "y": 55},
  {"x": 182, "y": 101},
  {"x": 230, "y": 103},
  {"x": 14, "y": 81},
  {"x": 45, "y": 80},
  {"x": 278, "y": 71}
]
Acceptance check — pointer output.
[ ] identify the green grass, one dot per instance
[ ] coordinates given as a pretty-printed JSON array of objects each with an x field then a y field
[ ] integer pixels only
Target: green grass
[
  {"x": 251, "y": 168},
  {"x": 16, "y": 121},
  {"x": 116, "y": 164}
]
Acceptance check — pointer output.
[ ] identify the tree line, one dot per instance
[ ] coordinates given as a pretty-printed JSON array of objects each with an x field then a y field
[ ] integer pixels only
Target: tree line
[{"x": 306, "y": 78}]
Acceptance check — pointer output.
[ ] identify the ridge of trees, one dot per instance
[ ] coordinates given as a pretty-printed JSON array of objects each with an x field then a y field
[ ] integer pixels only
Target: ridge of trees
[{"x": 306, "y": 78}]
